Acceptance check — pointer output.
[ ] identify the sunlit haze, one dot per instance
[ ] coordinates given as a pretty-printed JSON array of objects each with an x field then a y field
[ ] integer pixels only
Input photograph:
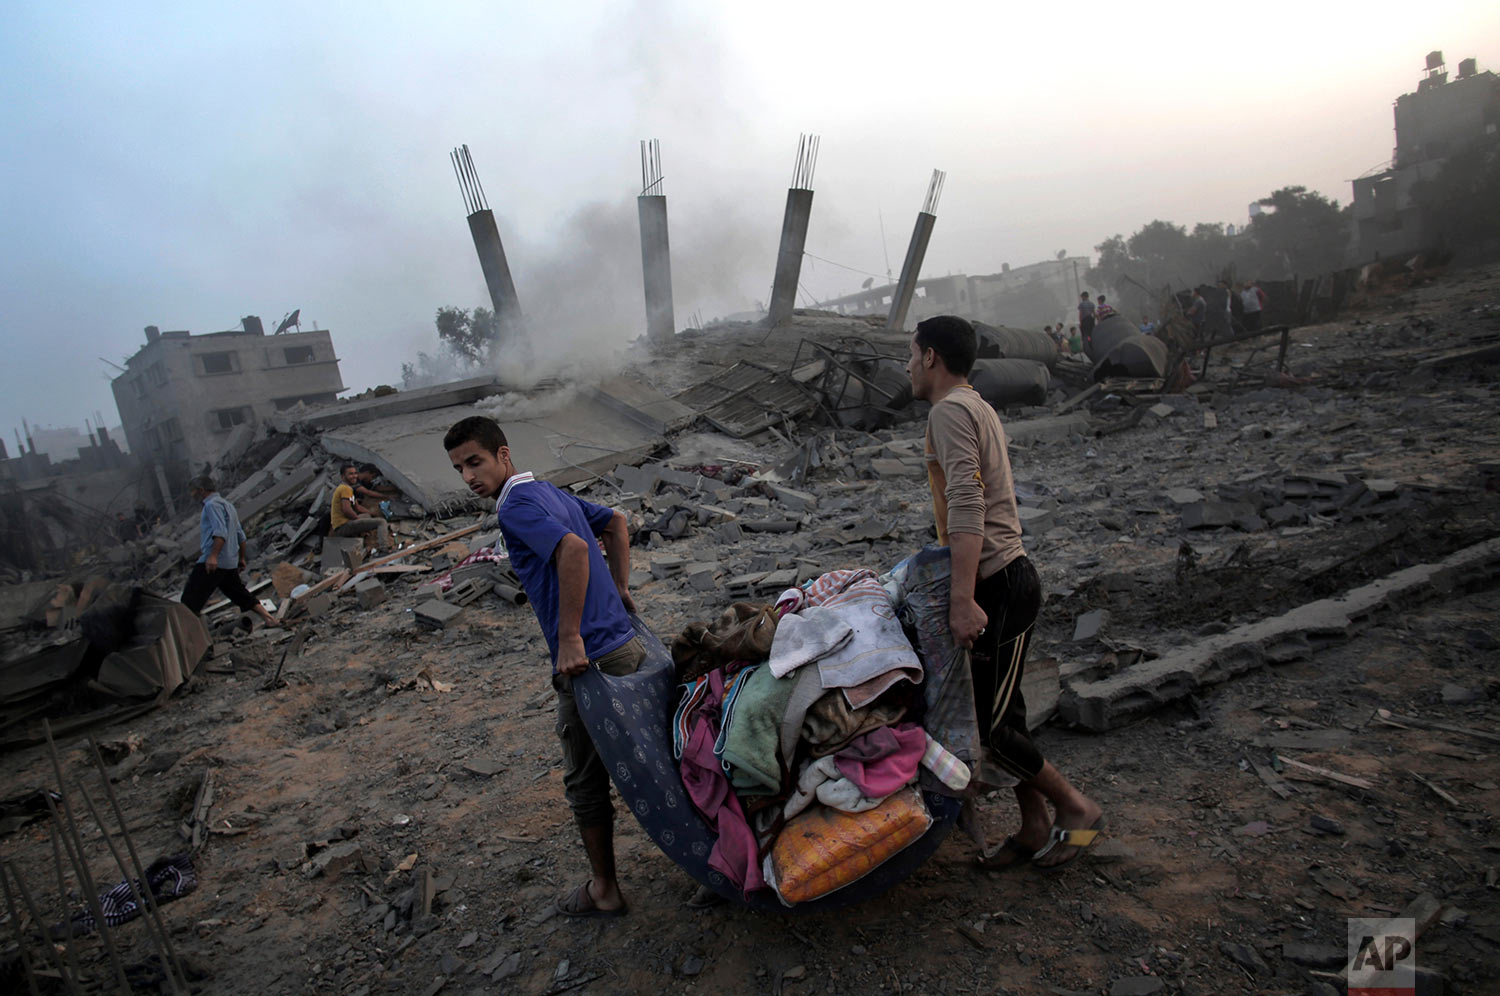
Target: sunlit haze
[{"x": 183, "y": 165}]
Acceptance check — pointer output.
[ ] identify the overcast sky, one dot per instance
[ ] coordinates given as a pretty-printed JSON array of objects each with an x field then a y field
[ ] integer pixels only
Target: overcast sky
[{"x": 184, "y": 164}]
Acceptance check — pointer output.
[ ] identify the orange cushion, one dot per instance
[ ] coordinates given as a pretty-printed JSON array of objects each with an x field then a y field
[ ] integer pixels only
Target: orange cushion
[{"x": 822, "y": 849}]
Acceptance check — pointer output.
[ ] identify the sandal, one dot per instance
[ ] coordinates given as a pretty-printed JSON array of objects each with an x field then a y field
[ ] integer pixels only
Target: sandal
[
  {"x": 580, "y": 903},
  {"x": 1079, "y": 839},
  {"x": 1020, "y": 855}
]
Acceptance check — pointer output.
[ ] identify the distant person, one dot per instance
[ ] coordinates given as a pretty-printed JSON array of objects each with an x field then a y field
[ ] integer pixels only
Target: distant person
[
  {"x": 1075, "y": 340},
  {"x": 1103, "y": 310},
  {"x": 348, "y": 517},
  {"x": 1086, "y": 318},
  {"x": 221, "y": 541},
  {"x": 145, "y": 520},
  {"x": 1147, "y": 325},
  {"x": 558, "y": 544},
  {"x": 374, "y": 487},
  {"x": 1197, "y": 312},
  {"x": 1252, "y": 303}
]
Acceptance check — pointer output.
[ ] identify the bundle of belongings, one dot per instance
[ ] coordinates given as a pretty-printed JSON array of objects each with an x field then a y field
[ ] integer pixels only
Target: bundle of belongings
[{"x": 803, "y": 733}]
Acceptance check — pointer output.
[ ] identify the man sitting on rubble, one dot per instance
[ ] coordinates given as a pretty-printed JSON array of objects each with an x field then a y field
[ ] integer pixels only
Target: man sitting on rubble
[
  {"x": 221, "y": 543},
  {"x": 582, "y": 604},
  {"x": 994, "y": 592},
  {"x": 350, "y": 518},
  {"x": 374, "y": 487}
]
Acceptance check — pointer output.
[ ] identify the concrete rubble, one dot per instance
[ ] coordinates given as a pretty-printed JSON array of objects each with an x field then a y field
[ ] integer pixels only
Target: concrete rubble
[{"x": 1226, "y": 565}]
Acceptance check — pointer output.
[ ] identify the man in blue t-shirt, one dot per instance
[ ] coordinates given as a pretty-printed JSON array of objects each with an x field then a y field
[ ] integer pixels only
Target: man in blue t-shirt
[{"x": 582, "y": 604}]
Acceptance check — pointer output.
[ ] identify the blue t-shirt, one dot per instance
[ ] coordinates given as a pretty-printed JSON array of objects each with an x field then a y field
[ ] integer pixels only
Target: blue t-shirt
[
  {"x": 220, "y": 519},
  {"x": 534, "y": 517}
]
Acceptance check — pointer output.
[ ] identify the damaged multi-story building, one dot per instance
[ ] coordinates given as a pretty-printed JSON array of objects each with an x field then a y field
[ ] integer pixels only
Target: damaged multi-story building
[
  {"x": 183, "y": 396},
  {"x": 1441, "y": 117}
]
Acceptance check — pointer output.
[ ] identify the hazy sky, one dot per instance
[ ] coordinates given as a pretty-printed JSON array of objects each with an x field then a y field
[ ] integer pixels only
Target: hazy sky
[{"x": 184, "y": 164}]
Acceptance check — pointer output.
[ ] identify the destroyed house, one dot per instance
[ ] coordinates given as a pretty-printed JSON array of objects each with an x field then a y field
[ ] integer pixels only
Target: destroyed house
[
  {"x": 182, "y": 395},
  {"x": 1439, "y": 118}
]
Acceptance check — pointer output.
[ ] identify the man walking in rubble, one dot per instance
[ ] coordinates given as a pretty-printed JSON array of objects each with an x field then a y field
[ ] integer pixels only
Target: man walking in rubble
[
  {"x": 995, "y": 593},
  {"x": 582, "y": 604},
  {"x": 221, "y": 543},
  {"x": 1086, "y": 319}
]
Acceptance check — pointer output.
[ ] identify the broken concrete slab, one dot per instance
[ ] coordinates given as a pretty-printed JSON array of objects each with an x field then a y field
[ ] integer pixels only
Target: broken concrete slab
[
  {"x": 408, "y": 448},
  {"x": 1131, "y": 693},
  {"x": 1214, "y": 514},
  {"x": 436, "y": 614},
  {"x": 1047, "y": 430},
  {"x": 370, "y": 592},
  {"x": 334, "y": 550},
  {"x": 1089, "y": 625},
  {"x": 1035, "y": 521}
]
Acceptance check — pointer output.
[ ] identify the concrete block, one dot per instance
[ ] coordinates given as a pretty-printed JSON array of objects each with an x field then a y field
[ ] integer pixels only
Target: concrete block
[
  {"x": 664, "y": 566},
  {"x": 1213, "y": 514},
  {"x": 370, "y": 592},
  {"x": 436, "y": 614},
  {"x": 1183, "y": 496},
  {"x": 1035, "y": 521},
  {"x": 1050, "y": 429},
  {"x": 796, "y": 501},
  {"x": 1089, "y": 625},
  {"x": 1210, "y": 420},
  {"x": 769, "y": 525},
  {"x": 1126, "y": 695},
  {"x": 637, "y": 479},
  {"x": 318, "y": 605},
  {"x": 730, "y": 532},
  {"x": 467, "y": 591},
  {"x": 702, "y": 577},
  {"x": 1161, "y": 410},
  {"x": 883, "y": 467},
  {"x": 333, "y": 551}
]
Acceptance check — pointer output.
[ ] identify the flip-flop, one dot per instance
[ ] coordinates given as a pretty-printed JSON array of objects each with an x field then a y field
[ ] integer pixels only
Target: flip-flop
[
  {"x": 1023, "y": 855},
  {"x": 1058, "y": 837},
  {"x": 579, "y": 903}
]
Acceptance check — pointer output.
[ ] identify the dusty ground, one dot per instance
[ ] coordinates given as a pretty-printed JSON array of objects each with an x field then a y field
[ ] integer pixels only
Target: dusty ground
[{"x": 1206, "y": 873}]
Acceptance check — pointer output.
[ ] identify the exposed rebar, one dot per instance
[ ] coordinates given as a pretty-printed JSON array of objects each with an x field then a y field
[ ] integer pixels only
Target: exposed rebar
[
  {"x": 80, "y": 860},
  {"x": 140, "y": 890},
  {"x": 468, "y": 180},
  {"x": 807, "y": 161},
  {"x": 651, "y": 173},
  {"x": 71, "y": 978},
  {"x": 62, "y": 899},
  {"x": 934, "y": 191},
  {"x": 15, "y": 926}
]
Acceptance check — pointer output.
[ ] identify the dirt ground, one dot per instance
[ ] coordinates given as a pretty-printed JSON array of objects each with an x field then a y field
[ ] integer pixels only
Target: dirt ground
[{"x": 435, "y": 752}]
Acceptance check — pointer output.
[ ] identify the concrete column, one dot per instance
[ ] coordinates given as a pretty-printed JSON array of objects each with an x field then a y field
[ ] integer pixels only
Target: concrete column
[
  {"x": 165, "y": 490},
  {"x": 789, "y": 256},
  {"x": 911, "y": 269},
  {"x": 656, "y": 267},
  {"x": 496, "y": 271}
]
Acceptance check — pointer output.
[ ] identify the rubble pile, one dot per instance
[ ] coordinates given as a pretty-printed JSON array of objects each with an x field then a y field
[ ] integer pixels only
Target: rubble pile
[{"x": 1268, "y": 644}]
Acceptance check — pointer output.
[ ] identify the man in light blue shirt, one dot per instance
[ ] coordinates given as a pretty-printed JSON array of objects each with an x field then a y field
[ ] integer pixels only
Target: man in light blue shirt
[{"x": 221, "y": 554}]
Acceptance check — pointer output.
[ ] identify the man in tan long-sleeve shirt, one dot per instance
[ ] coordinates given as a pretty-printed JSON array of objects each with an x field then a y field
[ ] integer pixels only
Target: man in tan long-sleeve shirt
[{"x": 995, "y": 592}]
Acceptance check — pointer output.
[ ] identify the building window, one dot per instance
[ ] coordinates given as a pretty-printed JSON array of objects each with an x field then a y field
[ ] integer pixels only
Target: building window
[
  {"x": 157, "y": 373},
  {"x": 172, "y": 429},
  {"x": 298, "y": 354},
  {"x": 224, "y": 419},
  {"x": 217, "y": 363},
  {"x": 153, "y": 437},
  {"x": 139, "y": 384}
]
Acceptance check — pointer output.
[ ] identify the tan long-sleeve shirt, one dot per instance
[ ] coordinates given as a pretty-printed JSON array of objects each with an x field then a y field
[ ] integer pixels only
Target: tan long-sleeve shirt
[{"x": 968, "y": 470}]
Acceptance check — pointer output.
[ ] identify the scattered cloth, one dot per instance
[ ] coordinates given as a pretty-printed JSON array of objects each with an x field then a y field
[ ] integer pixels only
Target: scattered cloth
[
  {"x": 749, "y": 745},
  {"x": 945, "y": 767},
  {"x": 878, "y": 654},
  {"x": 830, "y": 723},
  {"x": 821, "y": 781},
  {"x": 883, "y": 760},
  {"x": 735, "y": 854},
  {"x": 806, "y": 636},
  {"x": 168, "y": 879}
]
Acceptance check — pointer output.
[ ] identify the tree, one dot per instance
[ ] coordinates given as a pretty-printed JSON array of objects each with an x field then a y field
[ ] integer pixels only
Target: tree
[
  {"x": 1303, "y": 234},
  {"x": 470, "y": 335}
]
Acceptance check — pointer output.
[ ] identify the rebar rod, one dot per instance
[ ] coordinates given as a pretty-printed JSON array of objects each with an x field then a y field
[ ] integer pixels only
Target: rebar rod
[
  {"x": 15, "y": 924},
  {"x": 81, "y": 863},
  {"x": 71, "y": 978},
  {"x": 62, "y": 899},
  {"x": 146, "y": 902}
]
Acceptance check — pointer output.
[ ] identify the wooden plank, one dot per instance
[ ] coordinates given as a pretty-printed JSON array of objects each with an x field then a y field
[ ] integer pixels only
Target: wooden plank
[
  {"x": 1440, "y": 793},
  {"x": 343, "y": 576},
  {"x": 1328, "y": 773},
  {"x": 1395, "y": 719}
]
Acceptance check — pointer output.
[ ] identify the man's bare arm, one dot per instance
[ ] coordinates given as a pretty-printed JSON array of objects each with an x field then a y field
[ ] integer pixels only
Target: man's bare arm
[
  {"x": 616, "y": 543},
  {"x": 572, "y": 559},
  {"x": 965, "y": 618}
]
